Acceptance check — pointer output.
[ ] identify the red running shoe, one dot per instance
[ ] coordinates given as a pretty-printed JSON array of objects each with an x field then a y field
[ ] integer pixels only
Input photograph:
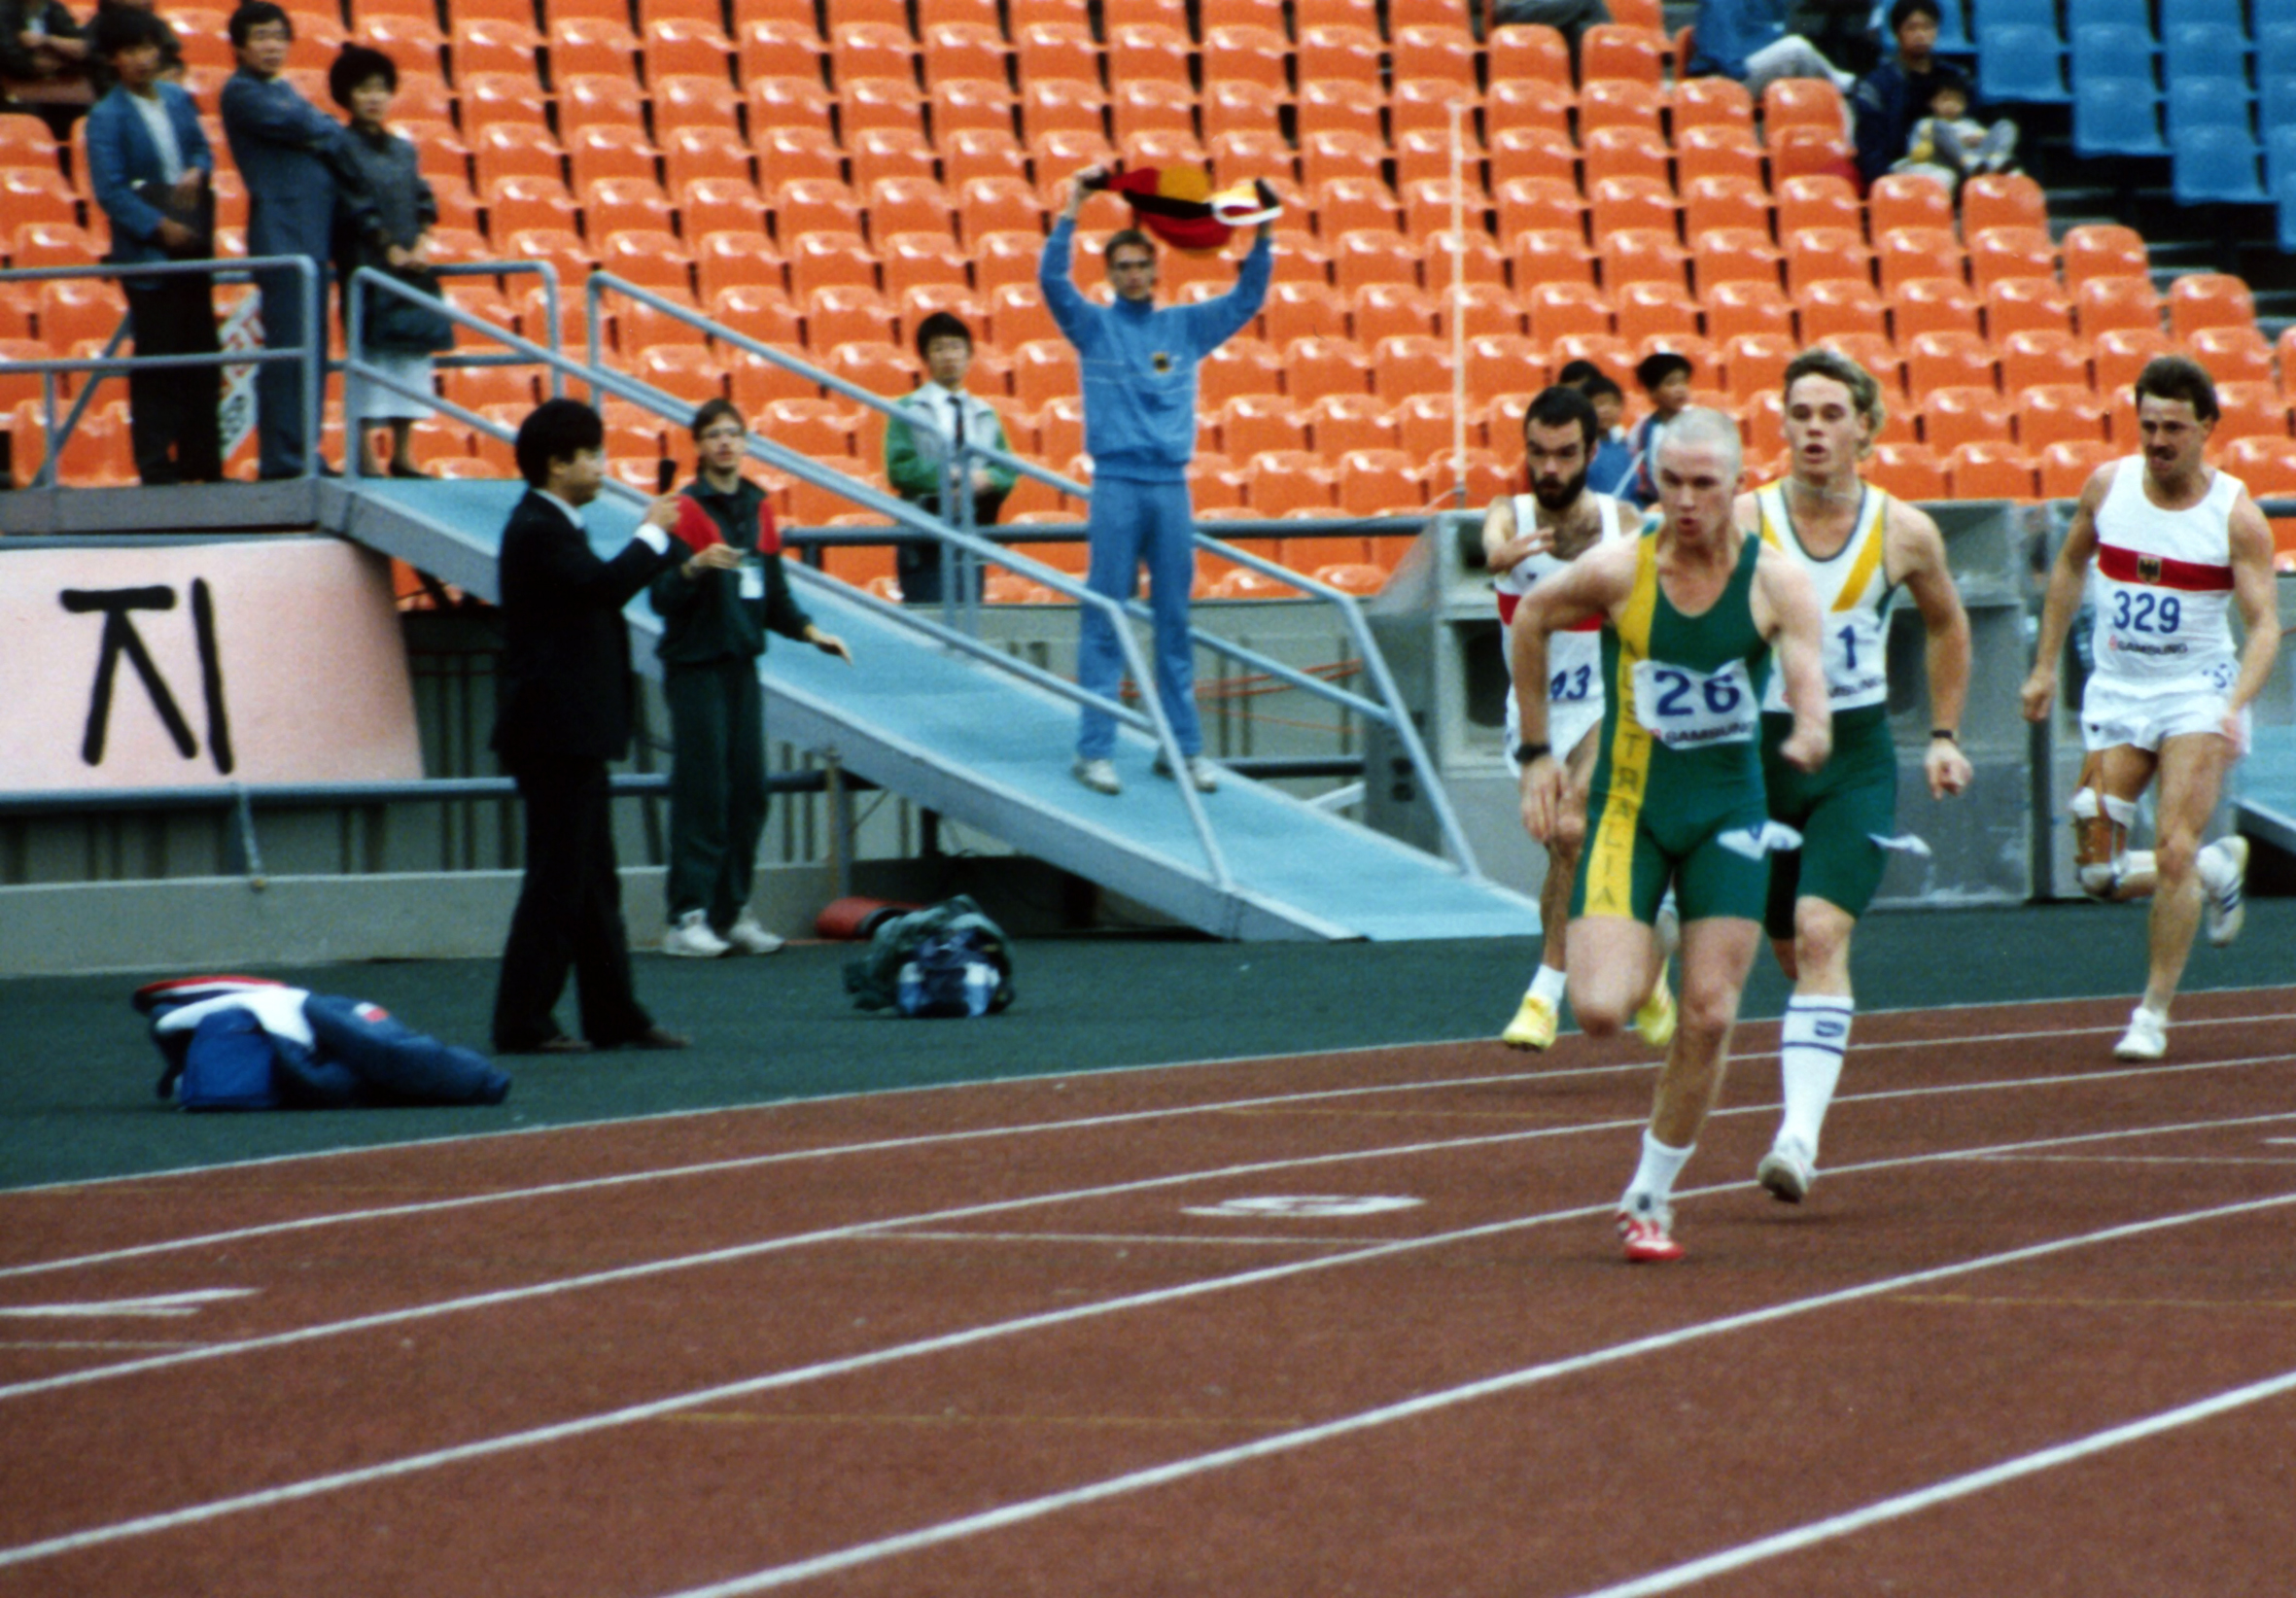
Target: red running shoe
[{"x": 1647, "y": 1236}]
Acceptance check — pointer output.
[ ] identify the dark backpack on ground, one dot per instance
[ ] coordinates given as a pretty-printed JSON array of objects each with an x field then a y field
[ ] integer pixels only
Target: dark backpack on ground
[{"x": 947, "y": 959}]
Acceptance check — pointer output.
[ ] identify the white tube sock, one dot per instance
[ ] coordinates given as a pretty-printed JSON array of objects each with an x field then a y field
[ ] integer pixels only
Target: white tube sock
[{"x": 1810, "y": 1050}]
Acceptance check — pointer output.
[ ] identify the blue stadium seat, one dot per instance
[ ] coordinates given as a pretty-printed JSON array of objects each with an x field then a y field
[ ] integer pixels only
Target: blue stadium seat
[
  {"x": 2135, "y": 14},
  {"x": 2275, "y": 99},
  {"x": 2206, "y": 49},
  {"x": 2215, "y": 165},
  {"x": 2279, "y": 154},
  {"x": 1999, "y": 14},
  {"x": 2110, "y": 49},
  {"x": 2117, "y": 117},
  {"x": 2285, "y": 192},
  {"x": 2275, "y": 50},
  {"x": 2020, "y": 63},
  {"x": 2208, "y": 102},
  {"x": 2176, "y": 13}
]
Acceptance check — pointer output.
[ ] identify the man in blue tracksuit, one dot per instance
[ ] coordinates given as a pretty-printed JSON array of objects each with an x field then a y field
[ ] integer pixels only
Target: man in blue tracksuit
[{"x": 1138, "y": 364}]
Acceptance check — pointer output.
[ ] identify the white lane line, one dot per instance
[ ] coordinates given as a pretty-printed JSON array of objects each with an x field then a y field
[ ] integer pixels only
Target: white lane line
[
  {"x": 157, "y": 1304},
  {"x": 658, "y": 1408},
  {"x": 1037, "y": 1509},
  {"x": 771, "y": 1245},
  {"x": 896, "y": 1145},
  {"x": 1945, "y": 1492}
]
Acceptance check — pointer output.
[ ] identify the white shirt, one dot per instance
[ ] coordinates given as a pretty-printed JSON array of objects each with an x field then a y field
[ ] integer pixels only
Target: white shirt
[
  {"x": 652, "y": 536},
  {"x": 154, "y": 111}
]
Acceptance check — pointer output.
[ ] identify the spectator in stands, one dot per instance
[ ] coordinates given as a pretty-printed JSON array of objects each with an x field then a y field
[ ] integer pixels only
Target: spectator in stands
[
  {"x": 1896, "y": 95},
  {"x": 395, "y": 334},
  {"x": 1569, "y": 18},
  {"x": 564, "y": 691},
  {"x": 1138, "y": 364},
  {"x": 1665, "y": 377},
  {"x": 171, "y": 48},
  {"x": 43, "y": 60},
  {"x": 1610, "y": 469},
  {"x": 915, "y": 457},
  {"x": 150, "y": 166},
  {"x": 1746, "y": 39},
  {"x": 1948, "y": 143},
  {"x": 292, "y": 157},
  {"x": 716, "y": 613}
]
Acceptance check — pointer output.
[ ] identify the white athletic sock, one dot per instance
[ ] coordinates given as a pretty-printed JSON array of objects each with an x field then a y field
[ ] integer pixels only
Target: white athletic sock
[
  {"x": 1810, "y": 1050},
  {"x": 1548, "y": 985},
  {"x": 2214, "y": 865},
  {"x": 1653, "y": 1178}
]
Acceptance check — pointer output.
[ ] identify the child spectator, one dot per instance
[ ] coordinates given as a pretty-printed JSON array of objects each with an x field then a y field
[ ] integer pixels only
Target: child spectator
[
  {"x": 913, "y": 455},
  {"x": 1665, "y": 377},
  {"x": 1948, "y": 145}
]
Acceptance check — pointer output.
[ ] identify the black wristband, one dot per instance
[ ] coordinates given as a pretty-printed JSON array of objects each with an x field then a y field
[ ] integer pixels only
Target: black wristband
[
  {"x": 1525, "y": 754},
  {"x": 1945, "y": 733}
]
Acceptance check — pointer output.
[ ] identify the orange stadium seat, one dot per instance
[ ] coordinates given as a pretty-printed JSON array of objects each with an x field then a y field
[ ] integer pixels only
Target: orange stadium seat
[
  {"x": 1723, "y": 257},
  {"x": 610, "y": 150},
  {"x": 879, "y": 152},
  {"x": 2034, "y": 356},
  {"x": 2066, "y": 466},
  {"x": 880, "y": 102},
  {"x": 1617, "y": 51},
  {"x": 1340, "y": 51},
  {"x": 1755, "y": 364},
  {"x": 766, "y": 47},
  {"x": 1955, "y": 416},
  {"x": 757, "y": 382},
  {"x": 613, "y": 204},
  {"x": 695, "y": 100},
  {"x": 1621, "y": 103},
  {"x": 1909, "y": 470},
  {"x": 1001, "y": 257},
  {"x": 1991, "y": 469},
  {"x": 1341, "y": 153},
  {"x": 1817, "y": 200},
  {"x": 650, "y": 258},
  {"x": 1613, "y": 355},
  {"x": 1721, "y": 151},
  {"x": 688, "y": 370},
  {"x": 1239, "y": 156},
  {"x": 1711, "y": 102},
  {"x": 740, "y": 259},
  {"x": 816, "y": 260},
  {"x": 1043, "y": 368},
  {"x": 1476, "y": 258},
  {"x": 1425, "y": 423},
  {"x": 1904, "y": 252},
  {"x": 1484, "y": 307},
  {"x": 489, "y": 98},
  {"x": 811, "y": 427},
  {"x": 1066, "y": 150},
  {"x": 1531, "y": 102},
  {"x": 1819, "y": 254},
  {"x": 2232, "y": 354},
  {"x": 1323, "y": 104},
  {"x": 1386, "y": 310},
  {"x": 1374, "y": 482},
  {"x": 1307, "y": 14},
  {"x": 1148, "y": 51},
  {"x": 2267, "y": 466},
  {"x": 1807, "y": 151},
  {"x": 1997, "y": 252},
  {"x": 1626, "y": 152},
  {"x": 25, "y": 141},
  {"x": 1550, "y": 255},
  {"x": 38, "y": 194},
  {"x": 501, "y": 150},
  {"x": 638, "y": 325},
  {"x": 1143, "y": 106},
  {"x": 1048, "y": 104},
  {"x": 993, "y": 205},
  {"x": 788, "y": 103},
  {"x": 1055, "y": 50},
  {"x": 1558, "y": 310},
  {"x": 2001, "y": 199},
  {"x": 1533, "y": 152},
  {"x": 691, "y": 154},
  {"x": 846, "y": 313},
  {"x": 1316, "y": 366},
  {"x": 872, "y": 50},
  {"x": 785, "y": 151},
  {"x": 1544, "y": 204},
  {"x": 968, "y": 153},
  {"x": 1246, "y": 52},
  {"x": 1345, "y": 204},
  {"x": 1803, "y": 102},
  {"x": 912, "y": 260},
  {"x": 1529, "y": 51},
  {"x": 2250, "y": 410},
  {"x": 593, "y": 98},
  {"x": 1303, "y": 309},
  {"x": 1413, "y": 364},
  {"x": 1242, "y": 365},
  {"x": 2209, "y": 300},
  {"x": 685, "y": 46},
  {"x": 1906, "y": 199},
  {"x": 2104, "y": 250},
  {"x": 425, "y": 97},
  {"x": 1286, "y": 482},
  {"x": 1878, "y": 356},
  {"x": 1341, "y": 422},
  {"x": 908, "y": 205},
  {"x": 2052, "y": 413},
  {"x": 761, "y": 311},
  {"x": 1250, "y": 425},
  {"x": 1654, "y": 308},
  {"x": 2018, "y": 305},
  {"x": 1428, "y": 205},
  {"x": 1642, "y": 254},
  {"x": 1752, "y": 305},
  {"x": 964, "y": 49},
  {"x": 1426, "y": 104},
  {"x": 561, "y": 247},
  {"x": 1368, "y": 254},
  {"x": 1949, "y": 359},
  {"x": 933, "y": 13},
  {"x": 1936, "y": 305},
  {"x": 2102, "y": 303},
  {"x": 885, "y": 368},
  {"x": 1432, "y": 50},
  {"x": 1501, "y": 365},
  {"x": 806, "y": 205},
  {"x": 414, "y": 44},
  {"x": 2118, "y": 354}
]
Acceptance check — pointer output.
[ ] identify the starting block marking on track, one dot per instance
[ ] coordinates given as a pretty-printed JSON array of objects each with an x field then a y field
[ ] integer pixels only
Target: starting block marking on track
[{"x": 1305, "y": 1206}]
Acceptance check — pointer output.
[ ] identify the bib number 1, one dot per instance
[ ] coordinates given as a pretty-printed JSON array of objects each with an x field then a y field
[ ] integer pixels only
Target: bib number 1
[{"x": 1686, "y": 709}]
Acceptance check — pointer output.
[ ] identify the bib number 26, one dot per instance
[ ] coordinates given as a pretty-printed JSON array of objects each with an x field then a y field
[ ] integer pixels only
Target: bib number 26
[{"x": 1683, "y": 709}]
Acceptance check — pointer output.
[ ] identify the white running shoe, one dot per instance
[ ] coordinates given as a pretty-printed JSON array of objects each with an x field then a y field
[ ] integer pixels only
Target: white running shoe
[
  {"x": 1788, "y": 1172},
  {"x": 2227, "y": 908},
  {"x": 1099, "y": 775},
  {"x": 691, "y": 938},
  {"x": 2147, "y": 1036},
  {"x": 1200, "y": 772},
  {"x": 751, "y": 938}
]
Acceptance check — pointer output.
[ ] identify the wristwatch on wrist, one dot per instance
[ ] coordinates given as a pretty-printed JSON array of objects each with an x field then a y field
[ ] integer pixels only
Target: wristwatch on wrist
[{"x": 1526, "y": 752}]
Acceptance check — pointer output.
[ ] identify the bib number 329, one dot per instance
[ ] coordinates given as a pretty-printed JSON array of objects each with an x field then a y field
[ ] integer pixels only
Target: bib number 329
[{"x": 1686, "y": 709}]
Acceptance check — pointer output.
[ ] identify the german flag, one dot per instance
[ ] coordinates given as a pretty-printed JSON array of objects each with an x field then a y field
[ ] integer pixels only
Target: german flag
[{"x": 1179, "y": 205}]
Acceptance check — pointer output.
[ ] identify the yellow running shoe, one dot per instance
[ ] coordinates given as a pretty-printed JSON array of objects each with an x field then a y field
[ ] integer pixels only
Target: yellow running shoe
[
  {"x": 1533, "y": 1025},
  {"x": 1656, "y": 1020}
]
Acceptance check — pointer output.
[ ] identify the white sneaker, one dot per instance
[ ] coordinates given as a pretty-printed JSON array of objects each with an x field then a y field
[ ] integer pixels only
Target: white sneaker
[
  {"x": 1200, "y": 772},
  {"x": 1788, "y": 1172},
  {"x": 1099, "y": 775},
  {"x": 2227, "y": 908},
  {"x": 749, "y": 938},
  {"x": 2147, "y": 1036},
  {"x": 691, "y": 938}
]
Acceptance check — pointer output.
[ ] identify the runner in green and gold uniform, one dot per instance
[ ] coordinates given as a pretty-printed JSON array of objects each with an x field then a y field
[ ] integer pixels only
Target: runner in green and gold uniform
[
  {"x": 1691, "y": 614},
  {"x": 1860, "y": 547}
]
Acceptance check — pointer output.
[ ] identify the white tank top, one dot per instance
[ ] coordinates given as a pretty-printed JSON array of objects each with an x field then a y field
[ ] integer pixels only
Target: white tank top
[
  {"x": 2163, "y": 581},
  {"x": 1573, "y": 658},
  {"x": 1853, "y": 594}
]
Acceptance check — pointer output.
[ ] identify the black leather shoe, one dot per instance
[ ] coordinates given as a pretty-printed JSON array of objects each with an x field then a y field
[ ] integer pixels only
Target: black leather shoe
[{"x": 658, "y": 1037}]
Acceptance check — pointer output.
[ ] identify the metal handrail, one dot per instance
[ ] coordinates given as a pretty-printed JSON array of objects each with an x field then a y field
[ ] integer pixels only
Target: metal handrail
[
  {"x": 602, "y": 379},
  {"x": 108, "y": 364}
]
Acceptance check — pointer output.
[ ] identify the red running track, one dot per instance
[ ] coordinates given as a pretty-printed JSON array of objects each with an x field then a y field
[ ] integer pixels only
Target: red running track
[{"x": 1338, "y": 1324}]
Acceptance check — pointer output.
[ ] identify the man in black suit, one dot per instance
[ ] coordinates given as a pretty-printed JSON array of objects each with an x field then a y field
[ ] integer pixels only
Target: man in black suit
[{"x": 565, "y": 714}]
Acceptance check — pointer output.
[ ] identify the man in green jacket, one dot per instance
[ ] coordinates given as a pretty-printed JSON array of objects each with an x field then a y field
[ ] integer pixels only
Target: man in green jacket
[
  {"x": 916, "y": 457},
  {"x": 714, "y": 617}
]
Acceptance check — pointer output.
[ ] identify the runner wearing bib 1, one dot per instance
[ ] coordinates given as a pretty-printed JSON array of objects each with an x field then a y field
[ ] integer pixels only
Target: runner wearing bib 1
[
  {"x": 1842, "y": 809},
  {"x": 1677, "y": 764},
  {"x": 1573, "y": 658}
]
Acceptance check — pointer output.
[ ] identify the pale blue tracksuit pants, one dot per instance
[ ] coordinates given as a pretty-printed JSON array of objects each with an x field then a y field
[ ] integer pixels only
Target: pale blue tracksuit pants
[{"x": 1134, "y": 523}]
